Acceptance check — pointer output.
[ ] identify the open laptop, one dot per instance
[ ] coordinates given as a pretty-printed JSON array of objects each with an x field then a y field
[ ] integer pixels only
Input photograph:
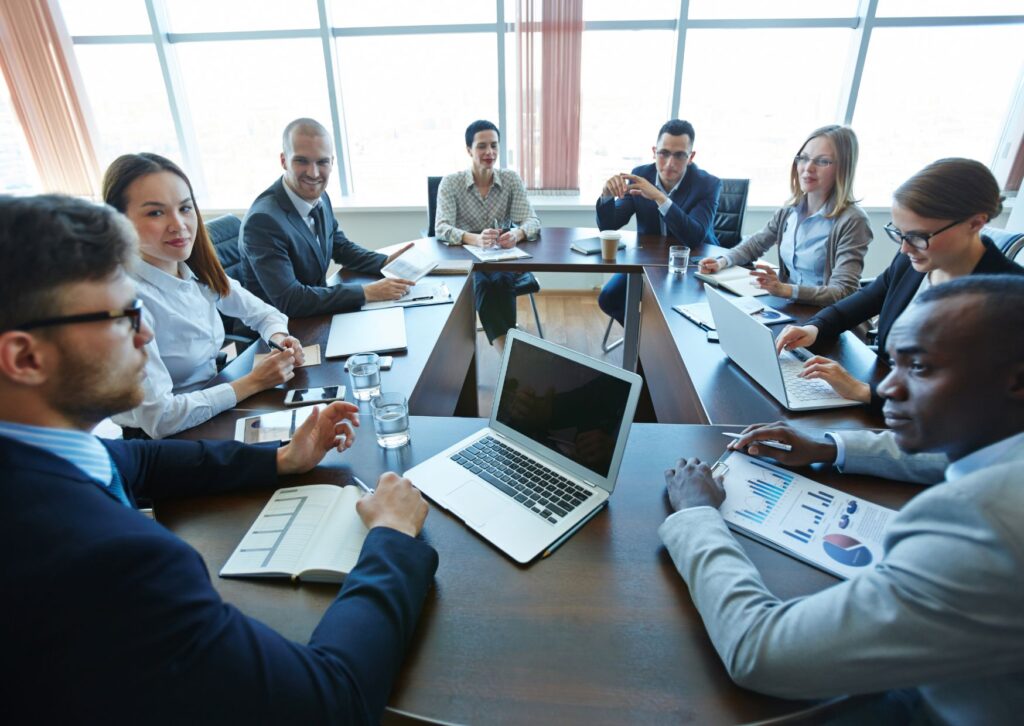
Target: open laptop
[
  {"x": 549, "y": 457},
  {"x": 751, "y": 346}
]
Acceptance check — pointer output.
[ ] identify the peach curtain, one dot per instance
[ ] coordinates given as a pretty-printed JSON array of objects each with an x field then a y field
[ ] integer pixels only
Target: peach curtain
[
  {"x": 551, "y": 32},
  {"x": 38, "y": 61}
]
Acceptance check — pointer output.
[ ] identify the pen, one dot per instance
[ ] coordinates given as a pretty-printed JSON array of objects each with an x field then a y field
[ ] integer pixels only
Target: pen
[
  {"x": 361, "y": 484},
  {"x": 769, "y": 443},
  {"x": 274, "y": 345}
]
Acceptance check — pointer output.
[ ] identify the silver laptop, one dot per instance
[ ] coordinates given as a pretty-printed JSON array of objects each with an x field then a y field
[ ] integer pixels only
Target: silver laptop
[
  {"x": 549, "y": 457},
  {"x": 366, "y": 331},
  {"x": 751, "y": 346}
]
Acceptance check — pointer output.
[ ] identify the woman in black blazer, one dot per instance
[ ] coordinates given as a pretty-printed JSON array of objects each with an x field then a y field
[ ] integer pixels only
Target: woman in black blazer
[{"x": 937, "y": 216}]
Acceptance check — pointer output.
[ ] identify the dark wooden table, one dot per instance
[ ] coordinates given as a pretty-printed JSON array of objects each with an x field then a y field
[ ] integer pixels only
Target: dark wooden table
[
  {"x": 691, "y": 380},
  {"x": 603, "y": 631}
]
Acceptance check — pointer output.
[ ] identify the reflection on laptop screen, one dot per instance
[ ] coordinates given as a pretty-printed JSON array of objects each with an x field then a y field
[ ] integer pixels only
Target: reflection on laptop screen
[{"x": 566, "y": 406}]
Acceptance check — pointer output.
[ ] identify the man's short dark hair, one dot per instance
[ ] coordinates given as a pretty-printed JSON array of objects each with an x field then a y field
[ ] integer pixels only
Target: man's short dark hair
[
  {"x": 678, "y": 127},
  {"x": 50, "y": 241},
  {"x": 476, "y": 127},
  {"x": 999, "y": 306}
]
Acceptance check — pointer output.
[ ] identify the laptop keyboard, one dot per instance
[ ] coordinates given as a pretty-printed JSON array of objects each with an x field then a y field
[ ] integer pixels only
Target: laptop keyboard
[
  {"x": 803, "y": 390},
  {"x": 536, "y": 487}
]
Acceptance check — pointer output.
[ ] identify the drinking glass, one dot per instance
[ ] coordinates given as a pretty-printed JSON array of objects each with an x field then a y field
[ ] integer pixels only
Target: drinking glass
[
  {"x": 364, "y": 372},
  {"x": 390, "y": 420}
]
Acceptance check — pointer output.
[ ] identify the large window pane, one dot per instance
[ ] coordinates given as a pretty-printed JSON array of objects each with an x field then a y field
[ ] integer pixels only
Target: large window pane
[
  {"x": 956, "y": 104},
  {"x": 754, "y": 95},
  {"x": 194, "y": 16},
  {"x": 241, "y": 95},
  {"x": 359, "y": 13},
  {"x": 727, "y": 9},
  {"x": 128, "y": 99},
  {"x": 619, "y": 115},
  {"x": 916, "y": 8},
  {"x": 637, "y": 10},
  {"x": 116, "y": 17},
  {"x": 406, "y": 112},
  {"x": 17, "y": 171}
]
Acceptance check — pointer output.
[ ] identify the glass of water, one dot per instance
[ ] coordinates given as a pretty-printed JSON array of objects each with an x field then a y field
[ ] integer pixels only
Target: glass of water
[
  {"x": 364, "y": 373},
  {"x": 678, "y": 259},
  {"x": 390, "y": 420}
]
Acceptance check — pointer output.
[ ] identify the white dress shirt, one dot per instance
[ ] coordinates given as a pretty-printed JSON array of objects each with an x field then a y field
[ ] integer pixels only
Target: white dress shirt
[{"x": 188, "y": 334}]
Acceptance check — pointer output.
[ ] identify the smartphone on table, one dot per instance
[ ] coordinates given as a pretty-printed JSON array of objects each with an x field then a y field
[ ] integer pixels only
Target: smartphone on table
[{"x": 306, "y": 396}]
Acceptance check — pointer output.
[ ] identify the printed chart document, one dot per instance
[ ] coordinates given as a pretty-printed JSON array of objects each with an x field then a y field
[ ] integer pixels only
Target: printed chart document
[
  {"x": 276, "y": 426},
  {"x": 822, "y": 526},
  {"x": 496, "y": 254},
  {"x": 310, "y": 533},
  {"x": 700, "y": 313},
  {"x": 422, "y": 293},
  {"x": 736, "y": 280},
  {"x": 410, "y": 265}
]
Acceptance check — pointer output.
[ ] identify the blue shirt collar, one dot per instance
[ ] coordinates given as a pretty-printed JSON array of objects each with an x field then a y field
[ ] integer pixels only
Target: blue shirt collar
[
  {"x": 991, "y": 455},
  {"x": 81, "y": 450}
]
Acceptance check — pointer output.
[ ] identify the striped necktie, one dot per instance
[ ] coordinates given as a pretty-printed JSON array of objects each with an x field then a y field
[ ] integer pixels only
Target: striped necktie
[{"x": 117, "y": 485}]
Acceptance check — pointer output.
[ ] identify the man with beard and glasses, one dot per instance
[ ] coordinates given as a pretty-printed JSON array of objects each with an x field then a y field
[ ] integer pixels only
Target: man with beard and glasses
[
  {"x": 935, "y": 627},
  {"x": 106, "y": 615}
]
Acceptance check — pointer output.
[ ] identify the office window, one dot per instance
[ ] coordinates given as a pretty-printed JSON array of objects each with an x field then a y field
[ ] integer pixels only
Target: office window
[
  {"x": 933, "y": 8},
  {"x": 17, "y": 170},
  {"x": 407, "y": 100},
  {"x": 622, "y": 104},
  {"x": 731, "y": 9},
  {"x": 241, "y": 95},
  {"x": 196, "y": 16},
  {"x": 637, "y": 10},
  {"x": 754, "y": 95},
  {"x": 358, "y": 13},
  {"x": 929, "y": 93},
  {"x": 117, "y": 17},
  {"x": 125, "y": 92}
]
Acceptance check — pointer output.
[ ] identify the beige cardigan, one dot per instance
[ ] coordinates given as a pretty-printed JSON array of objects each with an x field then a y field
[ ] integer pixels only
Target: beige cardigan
[{"x": 844, "y": 252}]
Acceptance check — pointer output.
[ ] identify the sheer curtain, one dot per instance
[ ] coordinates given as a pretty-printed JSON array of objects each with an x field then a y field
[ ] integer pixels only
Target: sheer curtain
[
  {"x": 36, "y": 57},
  {"x": 549, "y": 41}
]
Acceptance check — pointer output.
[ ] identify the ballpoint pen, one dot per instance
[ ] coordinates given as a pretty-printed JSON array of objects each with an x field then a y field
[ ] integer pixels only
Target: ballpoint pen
[
  {"x": 768, "y": 442},
  {"x": 361, "y": 484},
  {"x": 274, "y": 345}
]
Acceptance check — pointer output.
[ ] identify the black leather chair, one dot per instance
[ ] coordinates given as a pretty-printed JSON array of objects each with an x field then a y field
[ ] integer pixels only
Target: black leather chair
[
  {"x": 1009, "y": 243},
  {"x": 728, "y": 226},
  {"x": 526, "y": 282},
  {"x": 223, "y": 233},
  {"x": 732, "y": 204}
]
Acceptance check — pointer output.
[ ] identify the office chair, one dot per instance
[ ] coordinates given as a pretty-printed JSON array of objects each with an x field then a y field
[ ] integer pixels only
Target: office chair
[
  {"x": 525, "y": 283},
  {"x": 1009, "y": 243},
  {"x": 223, "y": 233},
  {"x": 728, "y": 226}
]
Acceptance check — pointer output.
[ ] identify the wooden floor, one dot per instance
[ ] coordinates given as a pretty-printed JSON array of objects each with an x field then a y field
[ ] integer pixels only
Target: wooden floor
[{"x": 572, "y": 319}]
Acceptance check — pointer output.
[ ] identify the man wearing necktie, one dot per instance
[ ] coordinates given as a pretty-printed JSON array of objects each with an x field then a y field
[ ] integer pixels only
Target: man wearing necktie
[
  {"x": 110, "y": 617},
  {"x": 290, "y": 235}
]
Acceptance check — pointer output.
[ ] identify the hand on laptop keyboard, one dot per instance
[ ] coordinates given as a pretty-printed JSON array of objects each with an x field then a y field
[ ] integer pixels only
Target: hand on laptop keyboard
[{"x": 827, "y": 370}]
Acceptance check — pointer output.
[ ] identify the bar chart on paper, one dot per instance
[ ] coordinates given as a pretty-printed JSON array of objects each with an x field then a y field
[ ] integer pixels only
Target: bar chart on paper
[{"x": 808, "y": 519}]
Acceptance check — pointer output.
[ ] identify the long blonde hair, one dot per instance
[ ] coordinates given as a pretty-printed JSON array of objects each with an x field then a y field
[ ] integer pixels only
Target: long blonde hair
[{"x": 844, "y": 141}]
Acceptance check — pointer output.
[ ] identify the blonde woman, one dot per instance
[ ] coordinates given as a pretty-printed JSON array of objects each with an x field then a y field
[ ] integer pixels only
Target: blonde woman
[{"x": 821, "y": 234}]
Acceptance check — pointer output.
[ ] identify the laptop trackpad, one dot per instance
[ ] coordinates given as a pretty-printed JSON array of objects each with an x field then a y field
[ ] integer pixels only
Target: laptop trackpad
[{"x": 475, "y": 503}]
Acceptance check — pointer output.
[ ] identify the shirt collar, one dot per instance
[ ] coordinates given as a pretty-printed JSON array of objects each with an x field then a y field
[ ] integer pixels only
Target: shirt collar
[
  {"x": 468, "y": 179},
  {"x": 658, "y": 185},
  {"x": 824, "y": 211},
  {"x": 81, "y": 450},
  {"x": 989, "y": 456},
  {"x": 301, "y": 205},
  {"x": 160, "y": 279}
]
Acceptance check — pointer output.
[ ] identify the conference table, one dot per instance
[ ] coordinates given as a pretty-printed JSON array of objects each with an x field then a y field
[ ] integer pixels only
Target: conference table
[{"x": 603, "y": 630}]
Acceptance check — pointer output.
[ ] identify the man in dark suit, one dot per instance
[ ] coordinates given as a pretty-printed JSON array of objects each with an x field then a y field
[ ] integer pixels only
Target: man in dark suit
[
  {"x": 108, "y": 616},
  {"x": 290, "y": 235},
  {"x": 670, "y": 197}
]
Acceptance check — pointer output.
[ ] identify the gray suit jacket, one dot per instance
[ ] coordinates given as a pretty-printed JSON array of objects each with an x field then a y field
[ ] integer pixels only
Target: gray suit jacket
[
  {"x": 284, "y": 264},
  {"x": 942, "y": 611}
]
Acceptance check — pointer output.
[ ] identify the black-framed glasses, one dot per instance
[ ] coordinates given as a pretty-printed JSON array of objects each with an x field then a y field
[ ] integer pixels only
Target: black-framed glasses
[
  {"x": 917, "y": 240},
  {"x": 819, "y": 161},
  {"x": 665, "y": 155},
  {"x": 133, "y": 312}
]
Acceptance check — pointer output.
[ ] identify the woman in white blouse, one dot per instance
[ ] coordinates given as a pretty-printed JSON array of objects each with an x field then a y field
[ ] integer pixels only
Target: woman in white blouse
[
  {"x": 184, "y": 289},
  {"x": 821, "y": 234}
]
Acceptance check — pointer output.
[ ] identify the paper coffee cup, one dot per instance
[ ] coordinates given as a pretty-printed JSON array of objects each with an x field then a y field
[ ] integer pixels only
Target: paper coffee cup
[{"x": 610, "y": 243}]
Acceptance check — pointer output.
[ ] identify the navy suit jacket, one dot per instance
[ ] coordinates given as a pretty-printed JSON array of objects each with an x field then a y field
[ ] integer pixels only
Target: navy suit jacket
[
  {"x": 108, "y": 617},
  {"x": 690, "y": 220},
  {"x": 284, "y": 264}
]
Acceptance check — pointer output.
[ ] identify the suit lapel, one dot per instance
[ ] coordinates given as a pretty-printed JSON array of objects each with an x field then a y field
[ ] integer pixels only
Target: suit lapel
[{"x": 300, "y": 226}]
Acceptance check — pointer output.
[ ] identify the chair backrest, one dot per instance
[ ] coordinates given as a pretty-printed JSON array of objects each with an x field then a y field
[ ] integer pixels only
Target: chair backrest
[
  {"x": 433, "y": 182},
  {"x": 1015, "y": 252},
  {"x": 1004, "y": 239},
  {"x": 223, "y": 233},
  {"x": 732, "y": 204}
]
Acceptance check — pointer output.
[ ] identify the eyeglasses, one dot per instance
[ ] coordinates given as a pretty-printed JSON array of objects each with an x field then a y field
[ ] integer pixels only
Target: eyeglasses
[
  {"x": 133, "y": 312},
  {"x": 917, "y": 240},
  {"x": 819, "y": 161},
  {"x": 665, "y": 154}
]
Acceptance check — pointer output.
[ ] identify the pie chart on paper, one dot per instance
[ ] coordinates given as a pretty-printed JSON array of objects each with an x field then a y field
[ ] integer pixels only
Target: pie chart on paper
[{"x": 846, "y": 550}]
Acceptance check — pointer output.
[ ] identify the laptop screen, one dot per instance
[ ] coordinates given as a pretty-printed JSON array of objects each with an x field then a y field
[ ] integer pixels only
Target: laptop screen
[{"x": 564, "y": 405}]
